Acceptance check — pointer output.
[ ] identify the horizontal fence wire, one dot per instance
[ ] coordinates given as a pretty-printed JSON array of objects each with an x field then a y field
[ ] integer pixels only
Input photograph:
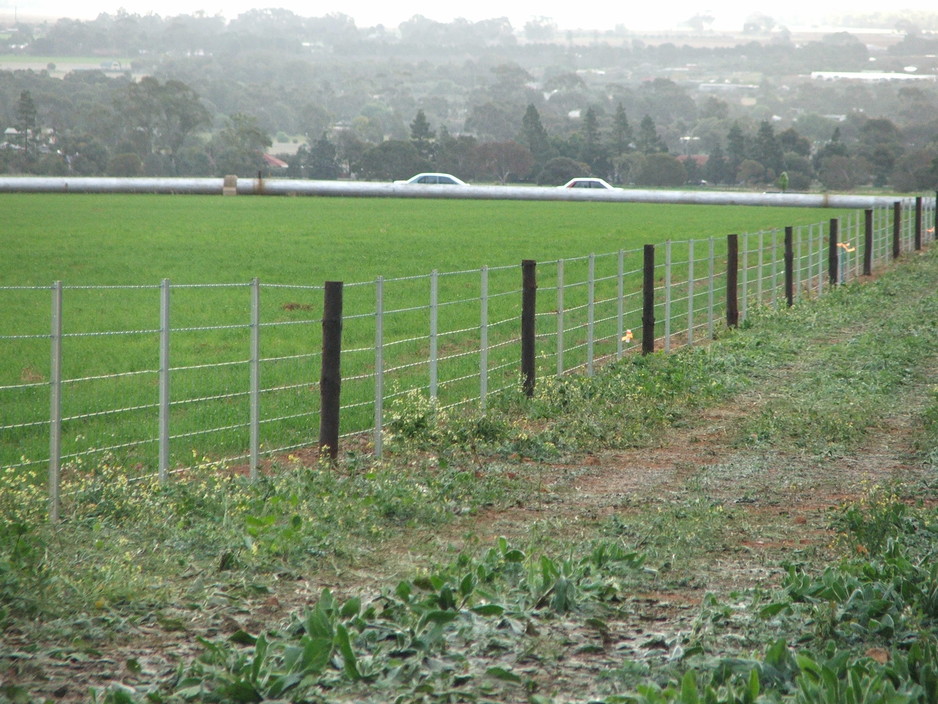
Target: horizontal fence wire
[{"x": 232, "y": 371}]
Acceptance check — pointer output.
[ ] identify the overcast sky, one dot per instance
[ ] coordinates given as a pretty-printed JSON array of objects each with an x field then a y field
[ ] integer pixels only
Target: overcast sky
[{"x": 567, "y": 15}]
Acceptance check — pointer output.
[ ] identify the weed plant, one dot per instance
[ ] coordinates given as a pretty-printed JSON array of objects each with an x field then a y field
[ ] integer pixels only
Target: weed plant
[{"x": 118, "y": 539}]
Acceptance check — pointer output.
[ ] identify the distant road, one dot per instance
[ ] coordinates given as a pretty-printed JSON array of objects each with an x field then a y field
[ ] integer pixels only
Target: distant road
[{"x": 371, "y": 189}]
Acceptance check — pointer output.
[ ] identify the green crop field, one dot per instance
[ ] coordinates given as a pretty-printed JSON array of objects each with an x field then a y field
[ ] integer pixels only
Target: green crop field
[
  {"x": 133, "y": 239},
  {"x": 111, "y": 252}
]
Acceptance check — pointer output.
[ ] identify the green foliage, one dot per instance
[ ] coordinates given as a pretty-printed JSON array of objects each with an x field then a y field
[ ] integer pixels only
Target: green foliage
[
  {"x": 446, "y": 635},
  {"x": 927, "y": 444},
  {"x": 559, "y": 170},
  {"x": 853, "y": 381},
  {"x": 872, "y": 633},
  {"x": 24, "y": 540},
  {"x": 880, "y": 516},
  {"x": 296, "y": 516}
]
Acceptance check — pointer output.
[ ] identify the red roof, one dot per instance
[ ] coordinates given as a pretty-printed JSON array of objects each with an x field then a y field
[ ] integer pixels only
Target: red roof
[{"x": 275, "y": 162}]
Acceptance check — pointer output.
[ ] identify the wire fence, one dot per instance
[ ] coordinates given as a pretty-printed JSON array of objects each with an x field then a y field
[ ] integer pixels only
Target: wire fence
[{"x": 156, "y": 379}]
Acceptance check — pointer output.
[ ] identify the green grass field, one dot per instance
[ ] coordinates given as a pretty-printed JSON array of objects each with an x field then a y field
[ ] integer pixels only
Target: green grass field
[
  {"x": 293, "y": 245},
  {"x": 133, "y": 239}
]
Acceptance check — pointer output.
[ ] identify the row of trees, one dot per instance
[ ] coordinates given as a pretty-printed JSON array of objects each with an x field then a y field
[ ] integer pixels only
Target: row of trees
[
  {"x": 640, "y": 156},
  {"x": 161, "y": 133},
  {"x": 153, "y": 128}
]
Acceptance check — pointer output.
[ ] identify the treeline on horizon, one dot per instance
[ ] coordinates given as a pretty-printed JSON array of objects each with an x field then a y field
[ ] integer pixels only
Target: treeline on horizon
[{"x": 198, "y": 96}]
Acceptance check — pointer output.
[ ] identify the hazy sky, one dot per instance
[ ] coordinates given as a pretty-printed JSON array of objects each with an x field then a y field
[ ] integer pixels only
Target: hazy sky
[{"x": 567, "y": 15}]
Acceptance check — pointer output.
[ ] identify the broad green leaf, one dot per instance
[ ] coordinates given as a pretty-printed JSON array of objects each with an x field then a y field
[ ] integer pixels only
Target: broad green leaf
[
  {"x": 348, "y": 657},
  {"x": 241, "y": 691},
  {"x": 403, "y": 591},
  {"x": 754, "y": 685},
  {"x": 281, "y": 683},
  {"x": 446, "y": 599},
  {"x": 514, "y": 556},
  {"x": 689, "y": 693},
  {"x": 773, "y": 609},
  {"x": 500, "y": 673},
  {"x": 242, "y": 637},
  {"x": 563, "y": 599},
  {"x": 440, "y": 616},
  {"x": 318, "y": 624},
  {"x": 260, "y": 654},
  {"x": 316, "y": 654},
  {"x": 350, "y": 608}
]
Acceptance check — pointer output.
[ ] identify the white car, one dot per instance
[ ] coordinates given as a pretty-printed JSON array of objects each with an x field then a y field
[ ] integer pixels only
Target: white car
[
  {"x": 588, "y": 183},
  {"x": 432, "y": 180}
]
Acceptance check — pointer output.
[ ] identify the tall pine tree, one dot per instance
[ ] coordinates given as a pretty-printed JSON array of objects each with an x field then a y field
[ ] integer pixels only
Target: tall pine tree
[{"x": 27, "y": 117}]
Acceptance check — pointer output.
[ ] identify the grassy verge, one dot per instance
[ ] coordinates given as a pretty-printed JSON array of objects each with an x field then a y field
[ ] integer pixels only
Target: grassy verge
[{"x": 728, "y": 583}]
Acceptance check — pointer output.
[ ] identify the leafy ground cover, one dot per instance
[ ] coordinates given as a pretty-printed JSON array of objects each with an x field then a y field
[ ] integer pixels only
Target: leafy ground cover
[{"x": 750, "y": 521}]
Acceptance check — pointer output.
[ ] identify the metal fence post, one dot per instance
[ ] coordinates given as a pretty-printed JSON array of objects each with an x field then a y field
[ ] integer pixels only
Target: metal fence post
[
  {"x": 591, "y": 314},
  {"x": 760, "y": 293},
  {"x": 809, "y": 266},
  {"x": 743, "y": 300},
  {"x": 789, "y": 267},
  {"x": 775, "y": 268},
  {"x": 55, "y": 402},
  {"x": 820, "y": 259},
  {"x": 918, "y": 223},
  {"x": 711, "y": 283},
  {"x": 255, "y": 375},
  {"x": 434, "y": 319},
  {"x": 620, "y": 304},
  {"x": 667, "y": 296},
  {"x": 690, "y": 293},
  {"x": 483, "y": 336},
  {"x": 856, "y": 238},
  {"x": 379, "y": 366},
  {"x": 164, "y": 380},
  {"x": 330, "y": 384},
  {"x": 528, "y": 330},
  {"x": 560, "y": 343}
]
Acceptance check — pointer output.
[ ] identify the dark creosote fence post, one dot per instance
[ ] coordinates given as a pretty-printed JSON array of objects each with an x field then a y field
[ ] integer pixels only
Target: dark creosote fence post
[
  {"x": 528, "y": 306},
  {"x": 331, "y": 380},
  {"x": 648, "y": 300},
  {"x": 896, "y": 229},
  {"x": 732, "y": 280},
  {"x": 868, "y": 242},
  {"x": 832, "y": 258},
  {"x": 918, "y": 223},
  {"x": 789, "y": 266}
]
